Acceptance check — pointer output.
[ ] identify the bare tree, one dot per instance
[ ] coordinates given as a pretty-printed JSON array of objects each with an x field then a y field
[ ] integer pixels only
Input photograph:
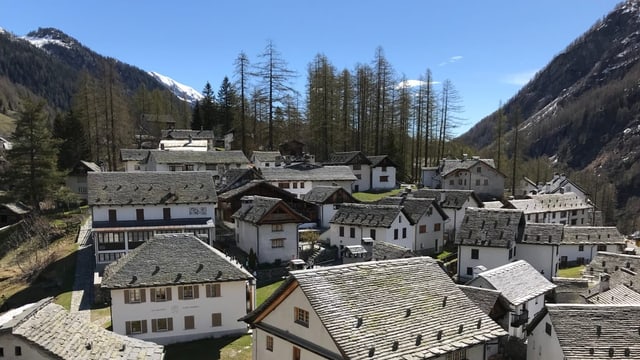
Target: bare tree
[{"x": 242, "y": 70}]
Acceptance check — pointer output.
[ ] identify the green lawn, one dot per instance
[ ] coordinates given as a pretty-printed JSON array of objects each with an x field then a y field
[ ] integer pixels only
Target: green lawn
[
  {"x": 263, "y": 293},
  {"x": 371, "y": 197},
  {"x": 572, "y": 272}
]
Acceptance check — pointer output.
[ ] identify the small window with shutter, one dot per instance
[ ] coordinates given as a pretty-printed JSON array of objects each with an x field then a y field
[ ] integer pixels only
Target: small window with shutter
[
  {"x": 216, "y": 319},
  {"x": 162, "y": 324},
  {"x": 213, "y": 290},
  {"x": 189, "y": 322}
]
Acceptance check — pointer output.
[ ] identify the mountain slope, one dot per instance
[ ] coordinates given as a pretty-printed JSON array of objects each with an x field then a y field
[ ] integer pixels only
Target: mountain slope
[{"x": 582, "y": 109}]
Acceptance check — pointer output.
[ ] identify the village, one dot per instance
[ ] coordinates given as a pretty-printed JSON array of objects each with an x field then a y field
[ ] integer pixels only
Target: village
[{"x": 448, "y": 268}]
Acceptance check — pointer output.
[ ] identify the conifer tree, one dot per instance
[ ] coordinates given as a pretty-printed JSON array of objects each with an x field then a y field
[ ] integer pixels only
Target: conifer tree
[
  {"x": 32, "y": 174},
  {"x": 68, "y": 130}
]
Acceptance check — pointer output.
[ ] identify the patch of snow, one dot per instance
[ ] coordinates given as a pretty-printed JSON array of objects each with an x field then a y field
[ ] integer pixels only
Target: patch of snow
[
  {"x": 184, "y": 92},
  {"x": 40, "y": 42}
]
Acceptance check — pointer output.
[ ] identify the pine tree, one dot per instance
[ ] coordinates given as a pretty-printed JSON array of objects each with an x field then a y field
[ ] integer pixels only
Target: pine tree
[
  {"x": 32, "y": 174},
  {"x": 68, "y": 131}
]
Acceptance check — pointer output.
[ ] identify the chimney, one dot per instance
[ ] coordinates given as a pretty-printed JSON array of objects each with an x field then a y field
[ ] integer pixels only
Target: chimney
[
  {"x": 604, "y": 282},
  {"x": 247, "y": 202}
]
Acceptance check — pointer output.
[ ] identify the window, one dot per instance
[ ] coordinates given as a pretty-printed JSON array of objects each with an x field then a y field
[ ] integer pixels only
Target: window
[
  {"x": 213, "y": 290},
  {"x": 135, "y": 327},
  {"x": 162, "y": 324},
  {"x": 486, "y": 182},
  {"x": 395, "y": 234},
  {"x": 422, "y": 229},
  {"x": 404, "y": 233},
  {"x": 459, "y": 181},
  {"x": 188, "y": 167},
  {"x": 357, "y": 166},
  {"x": 216, "y": 319},
  {"x": 188, "y": 292},
  {"x": 477, "y": 182},
  {"x": 469, "y": 271},
  {"x": 189, "y": 322},
  {"x": 295, "y": 185},
  {"x": 510, "y": 253},
  {"x": 18, "y": 351},
  {"x": 277, "y": 243},
  {"x": 475, "y": 253},
  {"x": 283, "y": 185},
  {"x": 372, "y": 233},
  {"x": 359, "y": 176},
  {"x": 602, "y": 247},
  {"x": 341, "y": 230},
  {"x": 479, "y": 169},
  {"x": 276, "y": 227},
  {"x": 301, "y": 185},
  {"x": 1, "y": 352},
  {"x": 457, "y": 355},
  {"x": 269, "y": 343},
  {"x": 301, "y": 316},
  {"x": 140, "y": 214},
  {"x": 352, "y": 232},
  {"x": 166, "y": 213},
  {"x": 384, "y": 178},
  {"x": 383, "y": 169},
  {"x": 133, "y": 296},
  {"x": 113, "y": 217},
  {"x": 580, "y": 247},
  {"x": 436, "y": 227},
  {"x": 547, "y": 328},
  {"x": 296, "y": 353},
  {"x": 266, "y": 164},
  {"x": 451, "y": 182},
  {"x": 160, "y": 294}
]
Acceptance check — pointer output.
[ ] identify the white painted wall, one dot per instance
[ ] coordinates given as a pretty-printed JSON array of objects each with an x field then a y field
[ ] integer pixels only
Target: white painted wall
[
  {"x": 377, "y": 172},
  {"x": 364, "y": 181},
  {"x": 431, "y": 240},
  {"x": 543, "y": 257},
  {"x": 155, "y": 212},
  {"x": 542, "y": 346},
  {"x": 232, "y": 304},
  {"x": 259, "y": 238},
  {"x": 326, "y": 214},
  {"x": 489, "y": 257},
  {"x": 385, "y": 234},
  {"x": 282, "y": 349},
  {"x": 8, "y": 342}
]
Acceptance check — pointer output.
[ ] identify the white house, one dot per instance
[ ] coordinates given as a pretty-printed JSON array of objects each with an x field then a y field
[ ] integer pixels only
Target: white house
[
  {"x": 479, "y": 175},
  {"x": 615, "y": 269},
  {"x": 76, "y": 179},
  {"x": 217, "y": 162},
  {"x": 522, "y": 288},
  {"x": 133, "y": 159},
  {"x": 392, "y": 309},
  {"x": 187, "y": 139},
  {"x": 566, "y": 209},
  {"x": 359, "y": 164},
  {"x": 540, "y": 247},
  {"x": 428, "y": 219},
  {"x": 577, "y": 332},
  {"x": 454, "y": 203},
  {"x": 488, "y": 238},
  {"x": 327, "y": 199},
  {"x": 176, "y": 288},
  {"x": 354, "y": 222},
  {"x": 263, "y": 159},
  {"x": 46, "y": 331},
  {"x": 561, "y": 184},
  {"x": 580, "y": 244},
  {"x": 129, "y": 208},
  {"x": 268, "y": 227},
  {"x": 383, "y": 172},
  {"x": 300, "y": 178}
]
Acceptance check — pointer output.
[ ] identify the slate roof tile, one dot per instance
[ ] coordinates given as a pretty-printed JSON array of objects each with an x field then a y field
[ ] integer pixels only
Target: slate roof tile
[
  {"x": 199, "y": 157},
  {"x": 592, "y": 235},
  {"x": 315, "y": 173},
  {"x": 185, "y": 134},
  {"x": 261, "y": 206},
  {"x": 367, "y": 215},
  {"x": 491, "y": 227},
  {"x": 617, "y": 295}
]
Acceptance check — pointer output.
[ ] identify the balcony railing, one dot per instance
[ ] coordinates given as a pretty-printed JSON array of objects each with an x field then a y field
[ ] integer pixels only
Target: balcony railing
[{"x": 518, "y": 320}]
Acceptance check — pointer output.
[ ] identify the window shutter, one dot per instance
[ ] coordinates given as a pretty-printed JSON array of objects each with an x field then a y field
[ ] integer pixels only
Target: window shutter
[
  {"x": 154, "y": 325},
  {"x": 168, "y": 292},
  {"x": 143, "y": 295},
  {"x": 195, "y": 291},
  {"x": 208, "y": 291},
  {"x": 126, "y": 297},
  {"x": 180, "y": 293},
  {"x": 144, "y": 326},
  {"x": 170, "y": 324},
  {"x": 127, "y": 325},
  {"x": 152, "y": 295}
]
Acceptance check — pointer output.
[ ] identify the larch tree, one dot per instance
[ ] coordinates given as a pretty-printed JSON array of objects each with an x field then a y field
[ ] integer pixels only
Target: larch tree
[
  {"x": 242, "y": 72},
  {"x": 73, "y": 147},
  {"x": 320, "y": 105},
  {"x": 32, "y": 175}
]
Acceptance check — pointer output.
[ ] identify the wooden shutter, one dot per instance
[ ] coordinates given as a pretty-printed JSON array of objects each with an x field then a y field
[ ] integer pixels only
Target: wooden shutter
[
  {"x": 127, "y": 325},
  {"x": 143, "y": 295},
  {"x": 168, "y": 293},
  {"x": 189, "y": 322},
  {"x": 126, "y": 297},
  {"x": 216, "y": 319},
  {"x": 154, "y": 325},
  {"x": 195, "y": 291},
  {"x": 170, "y": 324},
  {"x": 143, "y": 326},
  {"x": 180, "y": 292},
  {"x": 207, "y": 289},
  {"x": 152, "y": 295}
]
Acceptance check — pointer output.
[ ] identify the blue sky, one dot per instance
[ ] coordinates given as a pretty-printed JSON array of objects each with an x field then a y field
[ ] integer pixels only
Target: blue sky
[{"x": 488, "y": 49}]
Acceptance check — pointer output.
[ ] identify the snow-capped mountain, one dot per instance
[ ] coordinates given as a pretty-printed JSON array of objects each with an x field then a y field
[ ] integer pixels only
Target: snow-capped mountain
[{"x": 182, "y": 91}]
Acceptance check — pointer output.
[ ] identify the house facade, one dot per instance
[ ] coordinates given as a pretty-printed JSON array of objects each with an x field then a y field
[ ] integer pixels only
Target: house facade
[
  {"x": 580, "y": 244},
  {"x": 540, "y": 247},
  {"x": 522, "y": 287},
  {"x": 187, "y": 138},
  {"x": 176, "y": 288},
  {"x": 360, "y": 166},
  {"x": 566, "y": 209},
  {"x": 354, "y": 222},
  {"x": 217, "y": 162},
  {"x": 268, "y": 227},
  {"x": 488, "y": 238},
  {"x": 133, "y": 159},
  {"x": 479, "y": 175},
  {"x": 383, "y": 173},
  {"x": 263, "y": 159},
  {"x": 76, "y": 179},
  {"x": 308, "y": 317},
  {"x": 46, "y": 331},
  {"x": 327, "y": 200},
  {"x": 299, "y": 179},
  {"x": 129, "y": 208}
]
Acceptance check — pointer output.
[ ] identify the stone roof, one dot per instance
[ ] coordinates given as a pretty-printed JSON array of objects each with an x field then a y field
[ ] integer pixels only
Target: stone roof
[
  {"x": 133, "y": 154},
  {"x": 347, "y": 158},
  {"x": 315, "y": 173},
  {"x": 150, "y": 188},
  {"x": 550, "y": 202},
  {"x": 416, "y": 208},
  {"x": 383, "y": 250},
  {"x": 426, "y": 315},
  {"x": 485, "y": 299},
  {"x": 172, "y": 259},
  {"x": 517, "y": 282},
  {"x": 368, "y": 215},
  {"x": 250, "y": 185},
  {"x": 266, "y": 155},
  {"x": 622, "y": 269},
  {"x": 381, "y": 160},
  {"x": 234, "y": 177},
  {"x": 537, "y": 233},
  {"x": 91, "y": 165},
  {"x": 185, "y": 134},
  {"x": 617, "y": 295},
  {"x": 596, "y": 331},
  {"x": 450, "y": 165},
  {"x": 261, "y": 206},
  {"x": 199, "y": 157},
  {"x": 592, "y": 235},
  {"x": 491, "y": 227},
  {"x": 557, "y": 184},
  {"x": 320, "y": 194},
  {"x": 455, "y": 199},
  {"x": 62, "y": 335}
]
